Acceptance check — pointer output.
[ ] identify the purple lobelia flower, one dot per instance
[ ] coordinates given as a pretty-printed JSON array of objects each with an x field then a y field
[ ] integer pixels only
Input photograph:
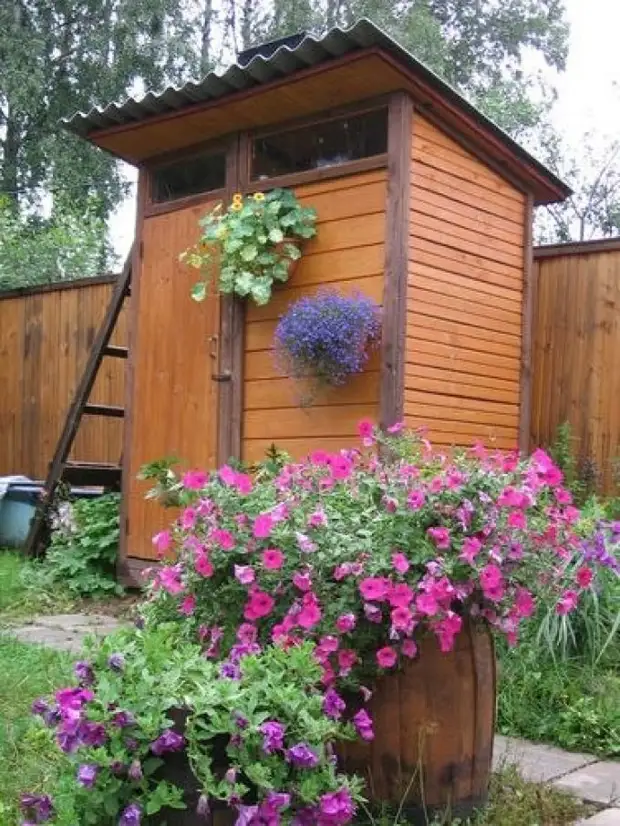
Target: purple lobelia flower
[
  {"x": 84, "y": 672},
  {"x": 168, "y": 741},
  {"x": 116, "y": 662},
  {"x": 131, "y": 816},
  {"x": 333, "y": 704},
  {"x": 87, "y": 775},
  {"x": 303, "y": 756},
  {"x": 327, "y": 336},
  {"x": 38, "y": 806},
  {"x": 273, "y": 735}
]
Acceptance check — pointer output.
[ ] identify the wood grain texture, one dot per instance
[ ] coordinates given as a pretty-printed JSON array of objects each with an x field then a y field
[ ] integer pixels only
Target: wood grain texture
[
  {"x": 576, "y": 357},
  {"x": 465, "y": 294},
  {"x": 529, "y": 293},
  {"x": 347, "y": 255},
  {"x": 174, "y": 400},
  {"x": 45, "y": 340},
  {"x": 434, "y": 720}
]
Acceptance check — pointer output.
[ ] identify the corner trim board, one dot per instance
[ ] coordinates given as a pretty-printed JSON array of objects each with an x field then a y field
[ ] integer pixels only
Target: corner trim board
[
  {"x": 529, "y": 291},
  {"x": 392, "y": 391}
]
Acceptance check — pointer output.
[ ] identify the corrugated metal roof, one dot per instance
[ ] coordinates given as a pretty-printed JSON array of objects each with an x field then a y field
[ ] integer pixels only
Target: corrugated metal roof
[{"x": 285, "y": 61}]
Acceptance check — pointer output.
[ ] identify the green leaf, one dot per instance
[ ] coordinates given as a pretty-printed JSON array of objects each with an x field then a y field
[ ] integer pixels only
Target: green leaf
[
  {"x": 199, "y": 291},
  {"x": 276, "y": 235},
  {"x": 249, "y": 253}
]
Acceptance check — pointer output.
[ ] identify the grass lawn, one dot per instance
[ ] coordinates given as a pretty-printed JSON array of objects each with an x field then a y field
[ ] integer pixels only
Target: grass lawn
[{"x": 28, "y": 756}]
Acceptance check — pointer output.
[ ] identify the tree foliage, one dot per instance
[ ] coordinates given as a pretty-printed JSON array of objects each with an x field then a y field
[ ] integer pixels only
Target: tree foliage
[{"x": 70, "y": 54}]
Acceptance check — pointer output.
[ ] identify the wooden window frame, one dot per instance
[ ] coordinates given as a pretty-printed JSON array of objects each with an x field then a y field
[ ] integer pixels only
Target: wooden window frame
[
  {"x": 308, "y": 176},
  {"x": 152, "y": 207}
]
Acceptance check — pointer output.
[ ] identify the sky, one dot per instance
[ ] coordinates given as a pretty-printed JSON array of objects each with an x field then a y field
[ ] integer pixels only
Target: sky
[{"x": 588, "y": 92}]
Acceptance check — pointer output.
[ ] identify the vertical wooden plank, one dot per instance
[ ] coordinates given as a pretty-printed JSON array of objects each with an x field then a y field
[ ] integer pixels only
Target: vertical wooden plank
[
  {"x": 232, "y": 331},
  {"x": 526, "y": 335},
  {"x": 131, "y": 313},
  {"x": 400, "y": 124}
]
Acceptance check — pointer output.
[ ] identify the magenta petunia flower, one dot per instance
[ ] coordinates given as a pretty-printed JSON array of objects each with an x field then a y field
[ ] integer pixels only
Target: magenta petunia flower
[
  {"x": 194, "y": 479},
  {"x": 374, "y": 588},
  {"x": 87, "y": 775},
  {"x": 245, "y": 574},
  {"x": 259, "y": 605},
  {"x": 273, "y": 559},
  {"x": 333, "y": 704},
  {"x": 400, "y": 563},
  {"x": 203, "y": 565},
  {"x": 303, "y": 756},
  {"x": 188, "y": 606},
  {"x": 345, "y": 623},
  {"x": 162, "y": 541},
  {"x": 386, "y": 657},
  {"x": 440, "y": 537},
  {"x": 262, "y": 526},
  {"x": 584, "y": 576},
  {"x": 168, "y": 741},
  {"x": 273, "y": 735},
  {"x": 415, "y": 500},
  {"x": 363, "y": 724}
]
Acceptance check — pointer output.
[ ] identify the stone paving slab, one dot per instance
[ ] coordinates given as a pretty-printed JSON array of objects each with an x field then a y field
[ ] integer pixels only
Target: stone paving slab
[
  {"x": 596, "y": 783},
  {"x": 608, "y": 817},
  {"x": 65, "y": 632},
  {"x": 538, "y": 763}
]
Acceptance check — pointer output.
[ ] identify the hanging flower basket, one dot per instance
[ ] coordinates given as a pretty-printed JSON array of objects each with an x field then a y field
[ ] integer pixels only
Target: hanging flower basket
[
  {"x": 251, "y": 245},
  {"x": 325, "y": 339}
]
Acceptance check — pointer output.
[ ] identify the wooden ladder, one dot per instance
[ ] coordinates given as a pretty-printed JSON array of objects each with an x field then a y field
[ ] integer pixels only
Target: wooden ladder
[{"x": 83, "y": 473}]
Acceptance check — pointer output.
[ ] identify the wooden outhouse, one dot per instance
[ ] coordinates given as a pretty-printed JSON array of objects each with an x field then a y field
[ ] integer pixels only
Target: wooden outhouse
[{"x": 422, "y": 203}]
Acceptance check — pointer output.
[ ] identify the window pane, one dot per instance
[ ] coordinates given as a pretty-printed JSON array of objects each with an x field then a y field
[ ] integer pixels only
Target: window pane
[
  {"x": 189, "y": 177},
  {"x": 323, "y": 144}
]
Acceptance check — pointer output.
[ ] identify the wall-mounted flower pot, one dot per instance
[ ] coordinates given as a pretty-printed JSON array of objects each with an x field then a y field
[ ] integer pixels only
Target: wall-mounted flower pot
[{"x": 434, "y": 723}]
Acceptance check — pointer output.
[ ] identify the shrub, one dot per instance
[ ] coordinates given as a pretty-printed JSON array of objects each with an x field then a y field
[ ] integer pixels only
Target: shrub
[{"x": 84, "y": 546}]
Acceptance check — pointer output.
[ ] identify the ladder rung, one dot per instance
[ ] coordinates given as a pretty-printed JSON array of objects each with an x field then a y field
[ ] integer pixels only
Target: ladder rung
[
  {"x": 116, "y": 352},
  {"x": 104, "y": 410},
  {"x": 92, "y": 473}
]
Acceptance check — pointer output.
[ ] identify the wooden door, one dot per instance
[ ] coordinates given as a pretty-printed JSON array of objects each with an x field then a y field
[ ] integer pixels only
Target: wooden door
[{"x": 173, "y": 398}]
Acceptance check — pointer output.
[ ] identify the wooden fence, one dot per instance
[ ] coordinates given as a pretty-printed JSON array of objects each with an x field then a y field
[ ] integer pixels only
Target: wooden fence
[
  {"x": 45, "y": 337},
  {"x": 576, "y": 351}
]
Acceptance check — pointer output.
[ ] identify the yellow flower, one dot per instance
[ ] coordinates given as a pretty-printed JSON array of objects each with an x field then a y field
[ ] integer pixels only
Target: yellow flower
[
  {"x": 236, "y": 206},
  {"x": 237, "y": 198},
  {"x": 259, "y": 196}
]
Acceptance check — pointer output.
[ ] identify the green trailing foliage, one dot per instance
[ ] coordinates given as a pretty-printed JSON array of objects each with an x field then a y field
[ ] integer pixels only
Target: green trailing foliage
[{"x": 84, "y": 546}]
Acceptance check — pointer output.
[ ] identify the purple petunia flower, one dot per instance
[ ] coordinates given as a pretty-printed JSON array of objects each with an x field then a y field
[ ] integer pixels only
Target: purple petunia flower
[
  {"x": 84, "y": 672},
  {"x": 246, "y": 815},
  {"x": 52, "y": 717},
  {"x": 230, "y": 670},
  {"x": 333, "y": 704},
  {"x": 273, "y": 738},
  {"x": 203, "y": 808},
  {"x": 131, "y": 816},
  {"x": 92, "y": 734},
  {"x": 116, "y": 662},
  {"x": 135, "y": 771},
  {"x": 87, "y": 775},
  {"x": 168, "y": 741},
  {"x": 123, "y": 719},
  {"x": 363, "y": 723},
  {"x": 303, "y": 756},
  {"x": 336, "y": 808},
  {"x": 38, "y": 806},
  {"x": 40, "y": 706}
]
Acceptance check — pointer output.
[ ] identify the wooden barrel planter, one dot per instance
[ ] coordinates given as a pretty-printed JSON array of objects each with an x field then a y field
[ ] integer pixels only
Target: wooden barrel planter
[{"x": 434, "y": 723}]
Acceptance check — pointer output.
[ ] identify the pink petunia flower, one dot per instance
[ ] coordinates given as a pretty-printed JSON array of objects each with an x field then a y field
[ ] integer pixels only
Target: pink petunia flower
[
  {"x": 262, "y": 526},
  {"x": 203, "y": 565},
  {"x": 188, "y": 518},
  {"x": 366, "y": 430},
  {"x": 584, "y": 577},
  {"x": 524, "y": 603},
  {"x": 567, "y": 603},
  {"x": 347, "y": 658},
  {"x": 400, "y": 595},
  {"x": 306, "y": 545},
  {"x": 163, "y": 542},
  {"x": 188, "y": 606},
  {"x": 400, "y": 563},
  {"x": 258, "y": 605},
  {"x": 243, "y": 483},
  {"x": 446, "y": 630},
  {"x": 170, "y": 579},
  {"x": 318, "y": 519},
  {"x": 345, "y": 623},
  {"x": 395, "y": 428},
  {"x": 374, "y": 588},
  {"x": 409, "y": 649},
  {"x": 245, "y": 574},
  {"x": 273, "y": 559},
  {"x": 415, "y": 500},
  {"x": 469, "y": 549},
  {"x": 302, "y": 582},
  {"x": 310, "y": 614},
  {"x": 402, "y": 619},
  {"x": 440, "y": 537},
  {"x": 386, "y": 657},
  {"x": 426, "y": 604},
  {"x": 227, "y": 475},
  {"x": 517, "y": 519},
  {"x": 194, "y": 479},
  {"x": 341, "y": 467},
  {"x": 223, "y": 538}
]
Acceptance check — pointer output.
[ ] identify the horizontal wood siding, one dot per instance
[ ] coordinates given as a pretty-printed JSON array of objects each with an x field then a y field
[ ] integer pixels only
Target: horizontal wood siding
[
  {"x": 464, "y": 299},
  {"x": 348, "y": 255},
  {"x": 45, "y": 339},
  {"x": 576, "y": 357}
]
